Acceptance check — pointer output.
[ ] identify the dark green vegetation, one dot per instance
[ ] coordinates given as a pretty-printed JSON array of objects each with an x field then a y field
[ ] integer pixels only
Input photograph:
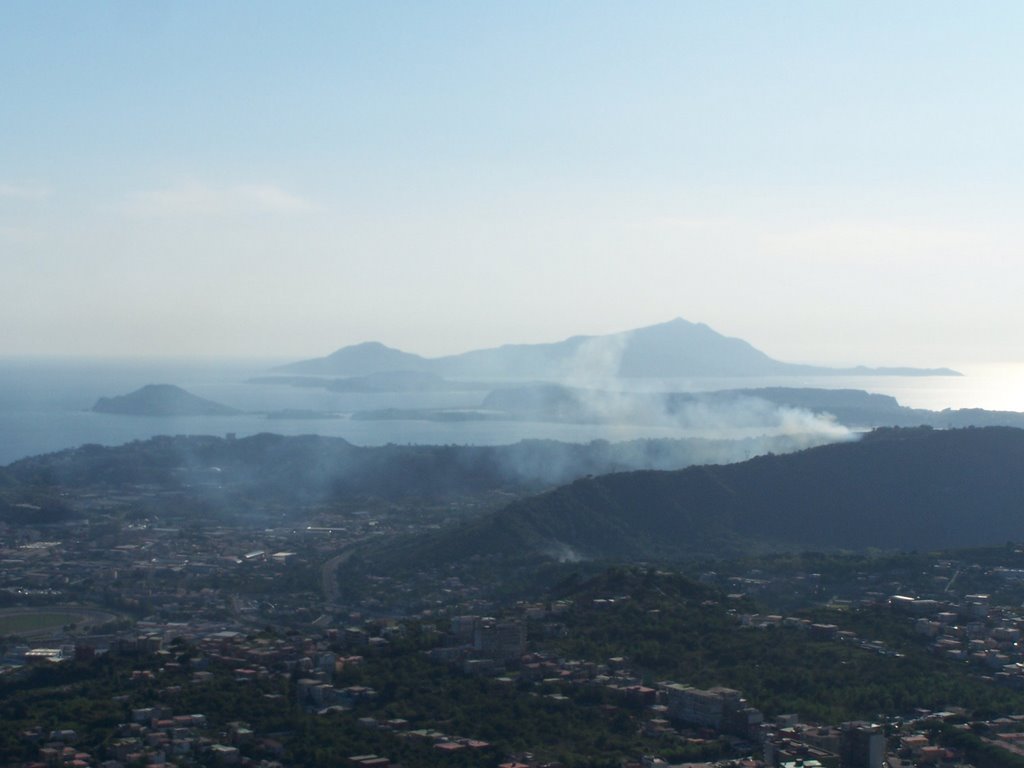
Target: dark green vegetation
[
  {"x": 981, "y": 752},
  {"x": 161, "y": 400},
  {"x": 94, "y": 697},
  {"x": 793, "y": 581},
  {"x": 672, "y": 628},
  {"x": 401, "y": 534},
  {"x": 20, "y": 505},
  {"x": 25, "y": 622},
  {"x": 663, "y": 626},
  {"x": 322, "y": 468},
  {"x": 896, "y": 489}
]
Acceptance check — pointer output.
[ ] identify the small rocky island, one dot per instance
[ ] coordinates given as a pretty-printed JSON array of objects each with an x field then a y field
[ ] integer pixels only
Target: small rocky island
[{"x": 161, "y": 400}]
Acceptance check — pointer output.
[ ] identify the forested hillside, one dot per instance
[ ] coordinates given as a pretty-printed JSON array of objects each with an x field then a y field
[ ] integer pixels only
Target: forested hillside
[{"x": 910, "y": 489}]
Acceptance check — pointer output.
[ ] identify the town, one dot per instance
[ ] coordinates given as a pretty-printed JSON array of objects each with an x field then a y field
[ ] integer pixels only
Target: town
[{"x": 190, "y": 640}]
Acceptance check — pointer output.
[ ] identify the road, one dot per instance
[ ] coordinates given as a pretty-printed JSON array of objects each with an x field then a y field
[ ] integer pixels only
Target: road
[{"x": 329, "y": 573}]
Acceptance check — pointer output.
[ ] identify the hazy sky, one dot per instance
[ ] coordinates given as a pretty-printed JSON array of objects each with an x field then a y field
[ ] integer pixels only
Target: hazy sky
[{"x": 834, "y": 182}]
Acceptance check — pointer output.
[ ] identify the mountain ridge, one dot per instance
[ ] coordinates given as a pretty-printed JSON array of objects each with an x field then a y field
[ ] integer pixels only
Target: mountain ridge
[
  {"x": 676, "y": 348},
  {"x": 895, "y": 489},
  {"x": 331, "y": 468}
]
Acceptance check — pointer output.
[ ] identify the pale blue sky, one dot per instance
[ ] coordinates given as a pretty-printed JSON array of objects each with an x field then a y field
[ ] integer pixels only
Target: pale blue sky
[{"x": 834, "y": 182}]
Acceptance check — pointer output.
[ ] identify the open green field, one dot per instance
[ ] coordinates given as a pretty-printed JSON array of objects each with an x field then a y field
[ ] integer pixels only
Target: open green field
[{"x": 21, "y": 621}]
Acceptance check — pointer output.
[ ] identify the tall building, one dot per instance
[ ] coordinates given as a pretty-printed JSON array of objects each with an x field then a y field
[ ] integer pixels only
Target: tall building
[
  {"x": 723, "y": 709},
  {"x": 861, "y": 745},
  {"x": 503, "y": 641}
]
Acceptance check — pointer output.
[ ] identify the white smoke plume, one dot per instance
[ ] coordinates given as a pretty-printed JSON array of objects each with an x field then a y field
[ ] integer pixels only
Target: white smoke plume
[{"x": 602, "y": 397}]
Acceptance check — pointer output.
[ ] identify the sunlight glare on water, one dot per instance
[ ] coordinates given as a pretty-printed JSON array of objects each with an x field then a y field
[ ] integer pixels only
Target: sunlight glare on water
[{"x": 994, "y": 387}]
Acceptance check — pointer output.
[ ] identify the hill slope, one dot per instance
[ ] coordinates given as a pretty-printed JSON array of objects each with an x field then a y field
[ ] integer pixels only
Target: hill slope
[
  {"x": 911, "y": 489},
  {"x": 314, "y": 467}
]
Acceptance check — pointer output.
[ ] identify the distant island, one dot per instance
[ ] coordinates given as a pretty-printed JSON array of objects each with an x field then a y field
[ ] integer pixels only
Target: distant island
[
  {"x": 674, "y": 349},
  {"x": 753, "y": 407},
  {"x": 161, "y": 400},
  {"x": 302, "y": 413}
]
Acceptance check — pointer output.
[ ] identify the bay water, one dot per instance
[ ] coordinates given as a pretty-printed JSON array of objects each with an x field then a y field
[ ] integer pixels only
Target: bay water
[{"x": 45, "y": 404}]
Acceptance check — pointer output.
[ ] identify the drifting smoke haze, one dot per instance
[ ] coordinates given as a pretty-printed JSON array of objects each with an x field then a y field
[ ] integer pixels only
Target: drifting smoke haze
[
  {"x": 519, "y": 437},
  {"x": 312, "y": 469},
  {"x": 562, "y": 553},
  {"x": 593, "y": 392}
]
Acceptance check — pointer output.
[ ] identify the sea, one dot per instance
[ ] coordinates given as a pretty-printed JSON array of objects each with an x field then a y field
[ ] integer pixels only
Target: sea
[{"x": 45, "y": 405}]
